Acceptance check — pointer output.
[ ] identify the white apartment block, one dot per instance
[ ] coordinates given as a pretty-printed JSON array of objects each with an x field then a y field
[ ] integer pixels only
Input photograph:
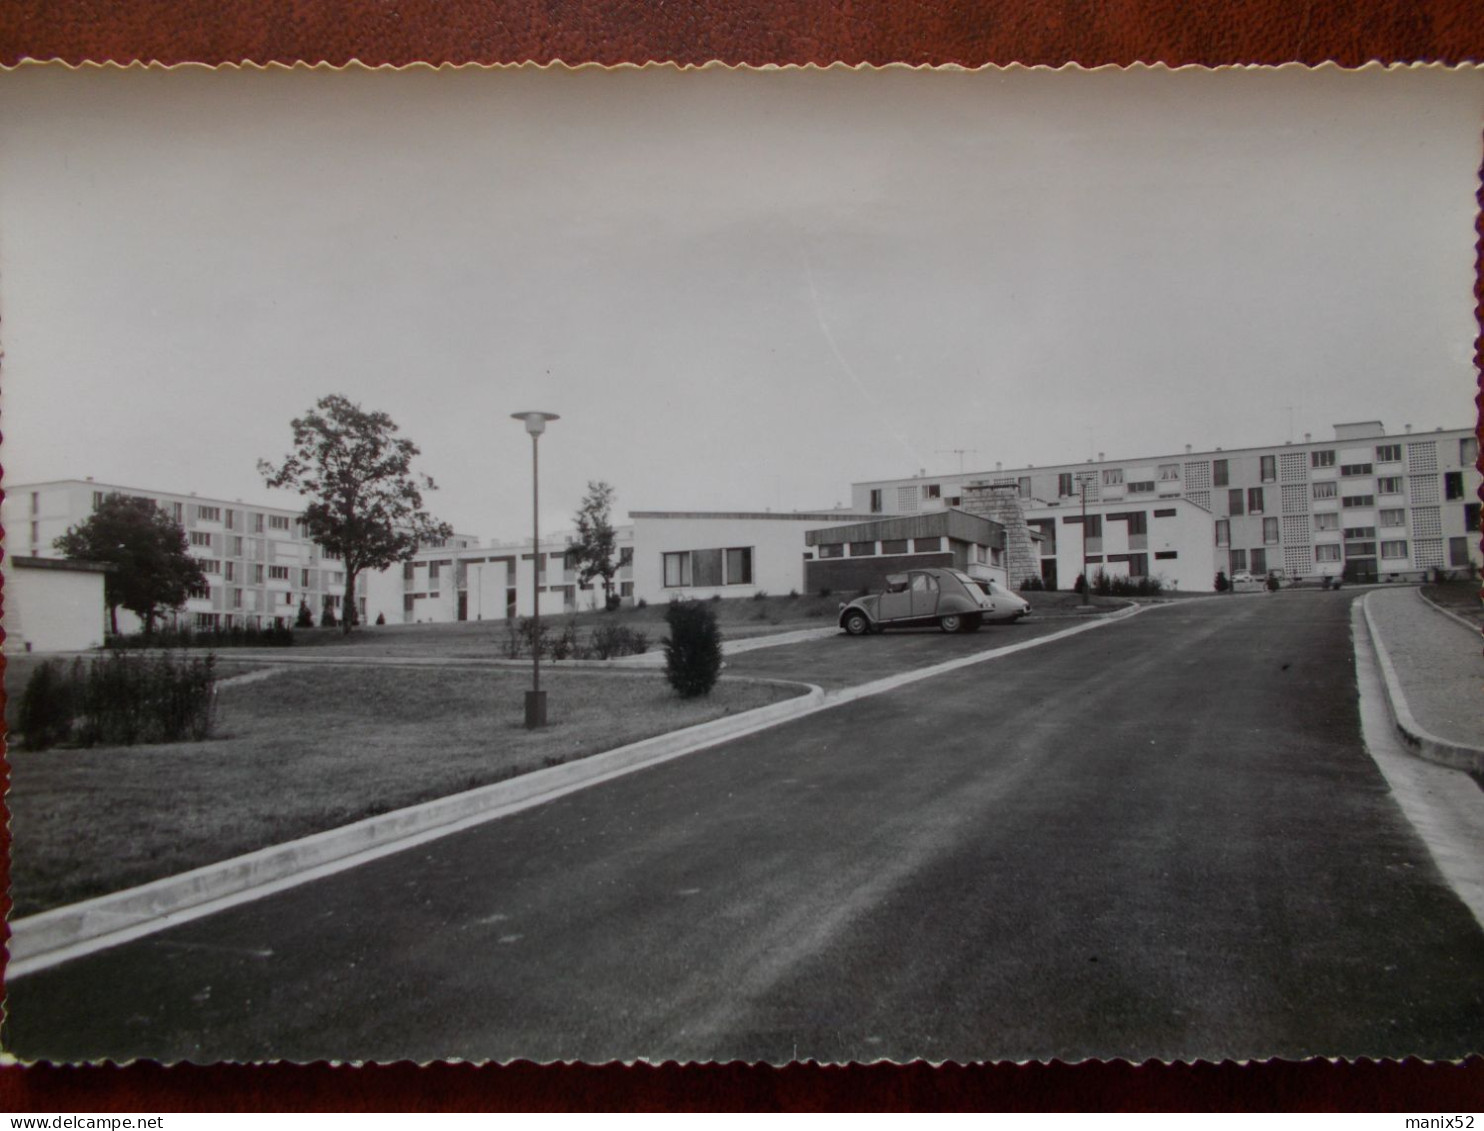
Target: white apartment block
[
  {"x": 258, "y": 561},
  {"x": 469, "y": 582},
  {"x": 1367, "y": 505}
]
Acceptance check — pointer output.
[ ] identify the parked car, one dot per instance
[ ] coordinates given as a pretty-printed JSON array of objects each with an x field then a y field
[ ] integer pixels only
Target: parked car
[{"x": 949, "y": 598}]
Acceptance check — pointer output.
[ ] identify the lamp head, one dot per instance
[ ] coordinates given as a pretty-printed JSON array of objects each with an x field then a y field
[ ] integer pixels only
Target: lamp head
[{"x": 535, "y": 421}]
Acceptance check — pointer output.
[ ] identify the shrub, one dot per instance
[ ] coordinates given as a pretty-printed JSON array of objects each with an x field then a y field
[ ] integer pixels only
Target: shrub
[
  {"x": 641, "y": 603},
  {"x": 535, "y": 636},
  {"x": 1032, "y": 584},
  {"x": 235, "y": 636},
  {"x": 612, "y": 640},
  {"x": 46, "y": 707},
  {"x": 793, "y": 594},
  {"x": 1222, "y": 584},
  {"x": 760, "y": 595},
  {"x": 306, "y": 618},
  {"x": 566, "y": 645},
  {"x": 512, "y": 638},
  {"x": 327, "y": 618},
  {"x": 381, "y": 618},
  {"x": 825, "y": 592},
  {"x": 612, "y": 603},
  {"x": 693, "y": 648},
  {"x": 121, "y": 700}
]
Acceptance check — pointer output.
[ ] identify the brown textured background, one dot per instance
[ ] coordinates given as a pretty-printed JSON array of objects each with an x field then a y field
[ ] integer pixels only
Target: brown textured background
[{"x": 966, "y": 32}]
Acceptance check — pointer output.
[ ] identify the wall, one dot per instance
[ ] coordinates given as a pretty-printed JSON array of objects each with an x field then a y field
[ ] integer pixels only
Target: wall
[
  {"x": 53, "y": 610},
  {"x": 776, "y": 541}
]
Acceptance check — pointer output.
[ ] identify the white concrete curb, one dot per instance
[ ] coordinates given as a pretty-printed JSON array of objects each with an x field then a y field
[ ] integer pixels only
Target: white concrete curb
[
  {"x": 47, "y": 939},
  {"x": 1418, "y": 738}
]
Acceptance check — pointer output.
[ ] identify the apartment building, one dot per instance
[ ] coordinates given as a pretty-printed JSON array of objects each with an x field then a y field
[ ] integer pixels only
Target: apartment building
[
  {"x": 258, "y": 561},
  {"x": 470, "y": 582},
  {"x": 1367, "y": 505}
]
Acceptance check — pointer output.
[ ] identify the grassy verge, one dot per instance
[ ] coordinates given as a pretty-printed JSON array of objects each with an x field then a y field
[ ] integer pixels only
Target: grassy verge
[
  {"x": 307, "y": 750},
  {"x": 1460, "y": 597}
]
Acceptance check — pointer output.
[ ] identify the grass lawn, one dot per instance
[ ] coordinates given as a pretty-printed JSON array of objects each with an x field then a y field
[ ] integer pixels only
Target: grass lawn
[
  {"x": 308, "y": 749},
  {"x": 1461, "y": 597}
]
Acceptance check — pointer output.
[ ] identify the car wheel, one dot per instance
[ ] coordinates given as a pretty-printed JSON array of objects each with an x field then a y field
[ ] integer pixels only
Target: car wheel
[
  {"x": 951, "y": 623},
  {"x": 857, "y": 624}
]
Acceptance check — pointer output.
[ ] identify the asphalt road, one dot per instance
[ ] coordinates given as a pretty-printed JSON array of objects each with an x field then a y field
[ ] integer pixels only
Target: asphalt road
[{"x": 1160, "y": 839}]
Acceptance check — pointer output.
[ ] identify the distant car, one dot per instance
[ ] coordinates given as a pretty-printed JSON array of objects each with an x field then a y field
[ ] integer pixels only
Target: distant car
[{"x": 949, "y": 598}]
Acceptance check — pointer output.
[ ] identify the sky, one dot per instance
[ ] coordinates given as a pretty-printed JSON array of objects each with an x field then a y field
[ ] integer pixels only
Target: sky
[{"x": 740, "y": 290}]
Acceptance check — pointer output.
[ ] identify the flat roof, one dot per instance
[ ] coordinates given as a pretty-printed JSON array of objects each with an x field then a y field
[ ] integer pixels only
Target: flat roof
[
  {"x": 783, "y": 516},
  {"x": 66, "y": 565}
]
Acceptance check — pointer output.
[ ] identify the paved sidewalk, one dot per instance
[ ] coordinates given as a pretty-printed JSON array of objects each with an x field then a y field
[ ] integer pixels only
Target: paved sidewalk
[{"x": 1434, "y": 673}]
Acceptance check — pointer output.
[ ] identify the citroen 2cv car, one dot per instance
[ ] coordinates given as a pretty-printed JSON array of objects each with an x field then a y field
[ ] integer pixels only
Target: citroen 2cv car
[{"x": 952, "y": 600}]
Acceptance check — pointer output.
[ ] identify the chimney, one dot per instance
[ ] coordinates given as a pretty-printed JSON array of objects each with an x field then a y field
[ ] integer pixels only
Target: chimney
[
  {"x": 997, "y": 465},
  {"x": 1409, "y": 429},
  {"x": 1101, "y": 457},
  {"x": 1307, "y": 437},
  {"x": 1187, "y": 449}
]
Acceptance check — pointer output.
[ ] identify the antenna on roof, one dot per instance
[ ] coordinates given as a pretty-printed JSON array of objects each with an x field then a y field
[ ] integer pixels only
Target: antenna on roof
[{"x": 960, "y": 452}]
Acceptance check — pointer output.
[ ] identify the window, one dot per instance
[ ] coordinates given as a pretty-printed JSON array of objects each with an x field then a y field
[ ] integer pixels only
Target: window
[
  {"x": 432, "y": 574},
  {"x": 1167, "y": 513},
  {"x": 278, "y": 573},
  {"x": 1330, "y": 521},
  {"x": 1219, "y": 473},
  {"x": 200, "y": 538},
  {"x": 876, "y": 500},
  {"x": 1329, "y": 553},
  {"x": 209, "y": 565},
  {"x": 739, "y": 565},
  {"x": 229, "y": 571},
  {"x": 1234, "y": 501},
  {"x": 257, "y": 524},
  {"x": 36, "y": 497},
  {"x": 1322, "y": 459},
  {"x": 927, "y": 545},
  {"x": 278, "y": 522},
  {"x": 337, "y": 578},
  {"x": 1453, "y": 485},
  {"x": 1458, "y": 552},
  {"x": 1064, "y": 485},
  {"x": 1259, "y": 561},
  {"x": 1166, "y": 555},
  {"x": 304, "y": 579},
  {"x": 1138, "y": 522},
  {"x": 1169, "y": 472},
  {"x": 894, "y": 546},
  {"x": 199, "y": 592},
  {"x": 1349, "y": 470},
  {"x": 1388, "y": 453},
  {"x": 1360, "y": 532},
  {"x": 1023, "y": 485},
  {"x": 177, "y": 511},
  {"x": 862, "y": 549},
  {"x": 1254, "y": 500},
  {"x": 1394, "y": 518},
  {"x": 206, "y": 620},
  {"x": 231, "y": 520},
  {"x": 1270, "y": 469},
  {"x": 209, "y": 514},
  {"x": 1112, "y": 477},
  {"x": 1326, "y": 490},
  {"x": 1471, "y": 516},
  {"x": 288, "y": 598},
  {"x": 1393, "y": 550},
  {"x": 237, "y": 546},
  {"x": 1146, "y": 488},
  {"x": 1389, "y": 485},
  {"x": 1270, "y": 531},
  {"x": 257, "y": 573},
  {"x": 933, "y": 490},
  {"x": 1468, "y": 451},
  {"x": 1358, "y": 501},
  {"x": 1239, "y": 560},
  {"x": 626, "y": 557},
  {"x": 832, "y": 549},
  {"x": 705, "y": 567},
  {"x": 237, "y": 598},
  {"x": 1223, "y": 532}
]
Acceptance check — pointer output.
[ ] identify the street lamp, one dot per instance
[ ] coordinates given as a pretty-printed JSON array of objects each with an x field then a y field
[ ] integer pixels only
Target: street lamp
[
  {"x": 1083, "y": 479},
  {"x": 535, "y": 423}
]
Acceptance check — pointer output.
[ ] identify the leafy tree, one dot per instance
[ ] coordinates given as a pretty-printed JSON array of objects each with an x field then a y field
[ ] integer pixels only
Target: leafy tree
[
  {"x": 153, "y": 570},
  {"x": 594, "y": 551},
  {"x": 366, "y": 504}
]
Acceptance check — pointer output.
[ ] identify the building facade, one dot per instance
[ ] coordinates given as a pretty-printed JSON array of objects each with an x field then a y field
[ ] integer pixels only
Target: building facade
[
  {"x": 258, "y": 561},
  {"x": 54, "y": 605},
  {"x": 1367, "y": 505},
  {"x": 861, "y": 555}
]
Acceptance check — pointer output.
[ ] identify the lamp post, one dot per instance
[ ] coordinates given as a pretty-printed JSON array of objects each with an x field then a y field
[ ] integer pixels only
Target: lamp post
[
  {"x": 535, "y": 423},
  {"x": 1083, "y": 479}
]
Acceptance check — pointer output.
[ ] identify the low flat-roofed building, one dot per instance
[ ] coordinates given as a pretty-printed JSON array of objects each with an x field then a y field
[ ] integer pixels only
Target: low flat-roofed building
[
  {"x": 54, "y": 604},
  {"x": 860, "y": 555}
]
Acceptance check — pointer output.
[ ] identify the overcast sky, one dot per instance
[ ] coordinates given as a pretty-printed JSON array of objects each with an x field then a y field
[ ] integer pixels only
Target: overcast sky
[{"x": 740, "y": 290}]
